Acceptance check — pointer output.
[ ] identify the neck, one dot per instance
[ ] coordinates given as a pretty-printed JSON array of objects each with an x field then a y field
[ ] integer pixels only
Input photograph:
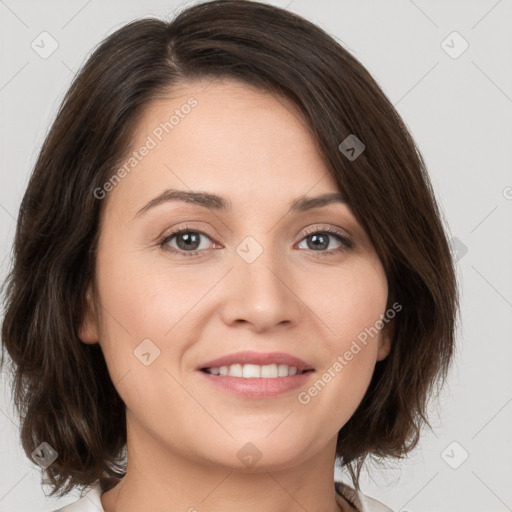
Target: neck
[{"x": 163, "y": 480}]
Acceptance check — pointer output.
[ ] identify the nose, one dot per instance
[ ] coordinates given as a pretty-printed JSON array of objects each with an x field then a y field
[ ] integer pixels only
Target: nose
[{"x": 261, "y": 294}]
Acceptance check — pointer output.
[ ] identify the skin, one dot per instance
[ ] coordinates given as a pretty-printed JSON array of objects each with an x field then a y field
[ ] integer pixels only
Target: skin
[{"x": 183, "y": 432}]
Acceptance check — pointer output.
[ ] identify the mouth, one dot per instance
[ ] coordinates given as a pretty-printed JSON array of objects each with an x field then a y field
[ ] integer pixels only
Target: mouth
[
  {"x": 255, "y": 371},
  {"x": 258, "y": 375}
]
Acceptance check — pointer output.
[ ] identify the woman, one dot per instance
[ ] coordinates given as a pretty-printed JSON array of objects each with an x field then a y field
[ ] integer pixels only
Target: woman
[{"x": 230, "y": 272}]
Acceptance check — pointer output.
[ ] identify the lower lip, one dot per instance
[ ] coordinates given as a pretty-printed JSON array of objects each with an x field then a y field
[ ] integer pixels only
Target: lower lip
[{"x": 257, "y": 387}]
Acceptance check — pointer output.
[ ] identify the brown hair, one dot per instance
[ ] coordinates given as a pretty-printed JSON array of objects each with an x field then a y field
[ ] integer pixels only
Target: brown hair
[{"x": 61, "y": 386}]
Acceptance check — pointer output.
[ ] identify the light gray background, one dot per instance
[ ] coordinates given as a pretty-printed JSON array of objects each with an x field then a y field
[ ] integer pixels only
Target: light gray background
[{"x": 458, "y": 109}]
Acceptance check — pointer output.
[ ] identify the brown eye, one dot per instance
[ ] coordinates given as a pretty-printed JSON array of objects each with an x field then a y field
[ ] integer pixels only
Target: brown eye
[
  {"x": 321, "y": 240},
  {"x": 185, "y": 241}
]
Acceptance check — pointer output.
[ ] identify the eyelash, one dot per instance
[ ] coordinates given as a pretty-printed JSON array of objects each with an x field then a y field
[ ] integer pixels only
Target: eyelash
[{"x": 346, "y": 243}]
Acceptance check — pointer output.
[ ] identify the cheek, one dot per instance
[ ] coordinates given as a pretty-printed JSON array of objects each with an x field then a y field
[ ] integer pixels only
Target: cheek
[
  {"x": 352, "y": 307},
  {"x": 147, "y": 321},
  {"x": 352, "y": 311},
  {"x": 142, "y": 301},
  {"x": 130, "y": 314}
]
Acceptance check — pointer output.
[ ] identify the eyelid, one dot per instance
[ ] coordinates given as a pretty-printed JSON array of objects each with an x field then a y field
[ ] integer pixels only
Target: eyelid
[
  {"x": 168, "y": 235},
  {"x": 185, "y": 227}
]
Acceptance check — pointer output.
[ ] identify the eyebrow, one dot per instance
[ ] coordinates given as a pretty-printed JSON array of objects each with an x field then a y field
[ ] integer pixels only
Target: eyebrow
[{"x": 219, "y": 203}]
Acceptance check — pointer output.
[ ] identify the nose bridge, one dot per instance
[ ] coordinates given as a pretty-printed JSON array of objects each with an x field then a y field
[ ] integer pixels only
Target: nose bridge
[{"x": 259, "y": 291}]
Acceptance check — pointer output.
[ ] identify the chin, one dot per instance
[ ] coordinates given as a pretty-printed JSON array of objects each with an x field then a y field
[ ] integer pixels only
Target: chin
[{"x": 260, "y": 455}]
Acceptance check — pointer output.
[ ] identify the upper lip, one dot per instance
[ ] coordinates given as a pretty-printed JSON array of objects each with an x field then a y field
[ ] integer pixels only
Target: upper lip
[{"x": 259, "y": 358}]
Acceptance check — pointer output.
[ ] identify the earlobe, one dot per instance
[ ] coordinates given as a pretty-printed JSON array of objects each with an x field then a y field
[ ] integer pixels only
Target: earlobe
[
  {"x": 384, "y": 344},
  {"x": 88, "y": 330}
]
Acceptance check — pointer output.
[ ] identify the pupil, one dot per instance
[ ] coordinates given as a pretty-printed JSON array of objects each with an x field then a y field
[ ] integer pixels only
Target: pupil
[
  {"x": 190, "y": 241},
  {"x": 323, "y": 245}
]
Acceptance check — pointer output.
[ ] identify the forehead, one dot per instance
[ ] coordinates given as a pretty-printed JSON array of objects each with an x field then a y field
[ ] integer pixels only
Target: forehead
[{"x": 225, "y": 137}]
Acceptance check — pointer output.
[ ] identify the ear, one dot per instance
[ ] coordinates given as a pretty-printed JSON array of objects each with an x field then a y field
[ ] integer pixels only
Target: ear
[
  {"x": 385, "y": 341},
  {"x": 88, "y": 331}
]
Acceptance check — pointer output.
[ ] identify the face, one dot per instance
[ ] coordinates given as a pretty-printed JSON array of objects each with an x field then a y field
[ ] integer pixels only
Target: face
[{"x": 259, "y": 283}]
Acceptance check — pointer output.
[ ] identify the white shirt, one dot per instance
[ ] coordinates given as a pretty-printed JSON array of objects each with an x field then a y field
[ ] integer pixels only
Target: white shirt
[{"x": 91, "y": 501}]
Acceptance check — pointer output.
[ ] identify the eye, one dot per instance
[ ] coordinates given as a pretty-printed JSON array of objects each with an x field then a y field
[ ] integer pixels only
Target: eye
[
  {"x": 319, "y": 240},
  {"x": 188, "y": 241}
]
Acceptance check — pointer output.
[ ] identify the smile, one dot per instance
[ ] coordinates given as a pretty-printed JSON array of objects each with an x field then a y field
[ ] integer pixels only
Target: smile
[{"x": 255, "y": 371}]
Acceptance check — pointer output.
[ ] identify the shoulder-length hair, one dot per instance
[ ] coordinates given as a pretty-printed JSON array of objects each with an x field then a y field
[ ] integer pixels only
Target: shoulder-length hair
[{"x": 61, "y": 386}]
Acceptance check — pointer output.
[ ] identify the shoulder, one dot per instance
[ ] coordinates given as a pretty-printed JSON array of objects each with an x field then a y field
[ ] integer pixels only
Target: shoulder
[
  {"x": 361, "y": 502},
  {"x": 90, "y": 502}
]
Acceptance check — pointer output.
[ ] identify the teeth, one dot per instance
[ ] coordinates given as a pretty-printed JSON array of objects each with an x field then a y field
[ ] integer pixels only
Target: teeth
[
  {"x": 235, "y": 370},
  {"x": 254, "y": 371},
  {"x": 251, "y": 371},
  {"x": 269, "y": 371}
]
